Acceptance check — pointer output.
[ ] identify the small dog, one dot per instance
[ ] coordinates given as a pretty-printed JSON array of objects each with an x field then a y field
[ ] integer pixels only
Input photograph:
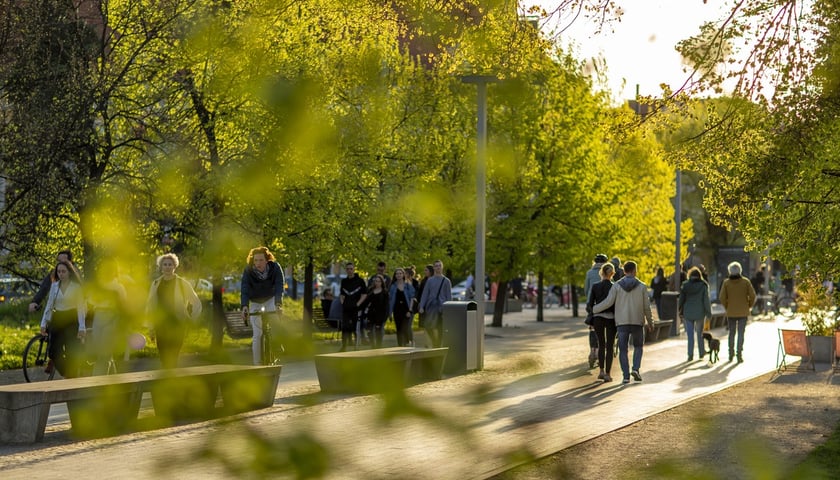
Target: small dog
[{"x": 713, "y": 346}]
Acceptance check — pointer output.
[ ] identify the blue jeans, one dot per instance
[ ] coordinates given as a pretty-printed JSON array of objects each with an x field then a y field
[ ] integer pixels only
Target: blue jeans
[
  {"x": 624, "y": 334},
  {"x": 741, "y": 324},
  {"x": 694, "y": 329}
]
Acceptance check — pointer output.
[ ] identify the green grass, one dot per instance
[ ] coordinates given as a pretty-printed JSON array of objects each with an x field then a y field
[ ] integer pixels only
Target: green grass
[
  {"x": 18, "y": 326},
  {"x": 822, "y": 461}
]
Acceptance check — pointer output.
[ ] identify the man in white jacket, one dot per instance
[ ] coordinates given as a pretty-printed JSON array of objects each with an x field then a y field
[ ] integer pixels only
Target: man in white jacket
[{"x": 632, "y": 314}]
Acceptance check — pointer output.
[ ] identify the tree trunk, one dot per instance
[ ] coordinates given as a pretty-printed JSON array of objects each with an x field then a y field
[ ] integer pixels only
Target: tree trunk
[
  {"x": 499, "y": 306},
  {"x": 540, "y": 296}
]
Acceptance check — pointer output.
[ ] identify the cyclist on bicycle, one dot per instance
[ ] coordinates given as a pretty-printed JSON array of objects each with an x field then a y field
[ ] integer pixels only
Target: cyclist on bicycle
[
  {"x": 261, "y": 290},
  {"x": 64, "y": 313}
]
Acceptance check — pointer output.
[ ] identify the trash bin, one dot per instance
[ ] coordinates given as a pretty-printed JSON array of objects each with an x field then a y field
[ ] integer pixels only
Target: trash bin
[
  {"x": 463, "y": 333},
  {"x": 669, "y": 304}
]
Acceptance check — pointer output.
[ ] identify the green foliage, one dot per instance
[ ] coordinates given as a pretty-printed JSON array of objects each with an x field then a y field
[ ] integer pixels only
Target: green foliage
[
  {"x": 822, "y": 460},
  {"x": 818, "y": 308}
]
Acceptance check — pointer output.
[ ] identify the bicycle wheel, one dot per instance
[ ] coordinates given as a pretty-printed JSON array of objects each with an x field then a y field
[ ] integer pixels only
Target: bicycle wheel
[{"x": 35, "y": 360}]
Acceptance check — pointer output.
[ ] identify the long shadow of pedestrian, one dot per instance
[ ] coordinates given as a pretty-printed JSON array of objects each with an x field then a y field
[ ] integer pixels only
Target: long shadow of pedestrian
[
  {"x": 552, "y": 406},
  {"x": 524, "y": 385}
]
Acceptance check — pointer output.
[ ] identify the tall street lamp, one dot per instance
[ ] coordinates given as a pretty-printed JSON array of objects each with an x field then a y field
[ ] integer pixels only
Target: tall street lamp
[{"x": 480, "y": 82}]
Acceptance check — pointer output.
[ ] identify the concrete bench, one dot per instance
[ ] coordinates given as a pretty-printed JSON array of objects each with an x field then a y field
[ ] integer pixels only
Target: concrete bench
[
  {"x": 109, "y": 404},
  {"x": 378, "y": 370},
  {"x": 661, "y": 330}
]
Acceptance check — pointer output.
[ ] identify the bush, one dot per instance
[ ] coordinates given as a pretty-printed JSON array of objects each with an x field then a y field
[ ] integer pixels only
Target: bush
[{"x": 815, "y": 304}]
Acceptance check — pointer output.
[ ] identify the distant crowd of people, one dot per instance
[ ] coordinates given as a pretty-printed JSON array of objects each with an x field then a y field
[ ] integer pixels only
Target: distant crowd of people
[{"x": 362, "y": 308}]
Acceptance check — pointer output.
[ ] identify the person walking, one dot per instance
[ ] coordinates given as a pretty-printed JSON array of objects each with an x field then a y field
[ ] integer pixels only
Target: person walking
[
  {"x": 428, "y": 271},
  {"x": 64, "y": 319},
  {"x": 400, "y": 305},
  {"x": 353, "y": 294},
  {"x": 659, "y": 284},
  {"x": 438, "y": 290},
  {"x": 593, "y": 276},
  {"x": 411, "y": 277},
  {"x": 380, "y": 270},
  {"x": 632, "y": 314},
  {"x": 376, "y": 304},
  {"x": 603, "y": 323},
  {"x": 260, "y": 290},
  {"x": 619, "y": 272},
  {"x": 108, "y": 298},
  {"x": 172, "y": 303},
  {"x": 737, "y": 296},
  {"x": 695, "y": 306}
]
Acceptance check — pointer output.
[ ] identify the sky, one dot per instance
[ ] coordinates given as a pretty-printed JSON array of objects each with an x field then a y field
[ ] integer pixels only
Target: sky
[{"x": 640, "y": 51}]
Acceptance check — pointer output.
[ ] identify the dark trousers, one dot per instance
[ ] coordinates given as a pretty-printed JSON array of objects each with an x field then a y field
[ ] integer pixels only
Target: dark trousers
[
  {"x": 349, "y": 319},
  {"x": 169, "y": 338},
  {"x": 66, "y": 350},
  {"x": 736, "y": 325},
  {"x": 403, "y": 321},
  {"x": 605, "y": 330}
]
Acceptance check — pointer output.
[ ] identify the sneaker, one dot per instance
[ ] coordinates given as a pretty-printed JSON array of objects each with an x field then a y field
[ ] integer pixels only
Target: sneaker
[
  {"x": 690, "y": 359},
  {"x": 607, "y": 378},
  {"x": 740, "y": 359},
  {"x": 601, "y": 375},
  {"x": 626, "y": 380},
  {"x": 636, "y": 375}
]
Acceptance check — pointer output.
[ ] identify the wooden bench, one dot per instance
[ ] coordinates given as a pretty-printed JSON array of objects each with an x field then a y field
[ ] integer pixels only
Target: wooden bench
[
  {"x": 235, "y": 326},
  {"x": 378, "y": 370},
  {"x": 323, "y": 324},
  {"x": 109, "y": 404}
]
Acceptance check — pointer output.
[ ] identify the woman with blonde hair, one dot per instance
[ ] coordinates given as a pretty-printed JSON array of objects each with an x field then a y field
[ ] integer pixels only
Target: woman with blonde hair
[
  {"x": 172, "y": 302},
  {"x": 603, "y": 323}
]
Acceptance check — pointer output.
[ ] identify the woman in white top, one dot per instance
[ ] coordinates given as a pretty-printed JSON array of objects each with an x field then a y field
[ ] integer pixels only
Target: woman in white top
[{"x": 64, "y": 313}]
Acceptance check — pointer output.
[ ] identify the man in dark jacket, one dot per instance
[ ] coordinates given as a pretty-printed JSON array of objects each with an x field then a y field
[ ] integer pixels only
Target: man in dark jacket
[{"x": 353, "y": 294}]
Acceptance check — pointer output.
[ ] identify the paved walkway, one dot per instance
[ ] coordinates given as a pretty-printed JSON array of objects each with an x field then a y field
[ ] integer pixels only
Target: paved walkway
[{"x": 535, "y": 396}]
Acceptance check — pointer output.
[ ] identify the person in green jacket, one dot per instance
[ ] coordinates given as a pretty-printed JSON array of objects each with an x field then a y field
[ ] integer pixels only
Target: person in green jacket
[
  {"x": 737, "y": 296},
  {"x": 695, "y": 306}
]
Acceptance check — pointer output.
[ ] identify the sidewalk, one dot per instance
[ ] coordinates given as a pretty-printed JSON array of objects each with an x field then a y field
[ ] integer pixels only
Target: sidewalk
[{"x": 535, "y": 396}]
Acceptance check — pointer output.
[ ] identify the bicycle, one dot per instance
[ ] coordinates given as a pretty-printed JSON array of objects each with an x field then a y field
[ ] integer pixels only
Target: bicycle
[
  {"x": 37, "y": 366},
  {"x": 266, "y": 352}
]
